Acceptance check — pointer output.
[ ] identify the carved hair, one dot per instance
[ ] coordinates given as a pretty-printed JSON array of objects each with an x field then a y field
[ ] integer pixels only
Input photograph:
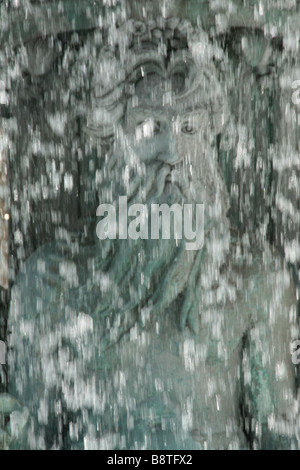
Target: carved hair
[{"x": 164, "y": 45}]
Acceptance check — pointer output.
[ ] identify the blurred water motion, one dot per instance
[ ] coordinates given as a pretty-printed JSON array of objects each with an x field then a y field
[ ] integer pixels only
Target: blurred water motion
[{"x": 139, "y": 343}]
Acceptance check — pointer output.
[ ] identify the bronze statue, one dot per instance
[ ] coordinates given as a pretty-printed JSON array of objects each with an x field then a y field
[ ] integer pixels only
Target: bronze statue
[{"x": 141, "y": 344}]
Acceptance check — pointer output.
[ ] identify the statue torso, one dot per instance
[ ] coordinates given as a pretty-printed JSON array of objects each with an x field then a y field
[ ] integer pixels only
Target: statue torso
[{"x": 159, "y": 387}]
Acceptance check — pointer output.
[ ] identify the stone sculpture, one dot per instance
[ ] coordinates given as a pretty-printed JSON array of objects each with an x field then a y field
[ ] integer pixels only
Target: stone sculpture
[{"x": 124, "y": 344}]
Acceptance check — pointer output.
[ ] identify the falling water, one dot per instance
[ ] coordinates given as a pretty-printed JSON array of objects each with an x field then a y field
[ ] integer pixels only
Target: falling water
[{"x": 114, "y": 333}]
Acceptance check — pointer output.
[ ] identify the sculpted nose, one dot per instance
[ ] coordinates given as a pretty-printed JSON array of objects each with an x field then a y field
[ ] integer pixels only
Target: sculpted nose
[{"x": 169, "y": 151}]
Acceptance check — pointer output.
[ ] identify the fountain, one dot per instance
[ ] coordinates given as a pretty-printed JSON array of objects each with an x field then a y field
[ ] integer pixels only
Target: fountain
[{"x": 122, "y": 340}]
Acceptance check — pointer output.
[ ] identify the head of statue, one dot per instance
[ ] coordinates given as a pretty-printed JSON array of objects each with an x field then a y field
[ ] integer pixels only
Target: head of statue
[
  {"x": 157, "y": 101},
  {"x": 160, "y": 99}
]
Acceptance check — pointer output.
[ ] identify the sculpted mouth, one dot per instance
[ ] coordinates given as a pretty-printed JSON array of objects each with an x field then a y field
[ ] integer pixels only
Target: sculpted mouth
[
  {"x": 173, "y": 177},
  {"x": 172, "y": 180},
  {"x": 172, "y": 189},
  {"x": 164, "y": 183}
]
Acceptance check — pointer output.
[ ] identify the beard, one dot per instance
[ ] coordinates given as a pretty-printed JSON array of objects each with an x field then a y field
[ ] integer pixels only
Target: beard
[{"x": 138, "y": 280}]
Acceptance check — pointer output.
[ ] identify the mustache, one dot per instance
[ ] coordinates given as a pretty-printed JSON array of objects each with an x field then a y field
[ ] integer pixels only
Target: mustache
[{"x": 146, "y": 182}]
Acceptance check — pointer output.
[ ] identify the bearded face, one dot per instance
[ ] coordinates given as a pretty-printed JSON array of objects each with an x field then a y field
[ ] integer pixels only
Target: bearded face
[
  {"x": 164, "y": 152},
  {"x": 170, "y": 142},
  {"x": 166, "y": 144}
]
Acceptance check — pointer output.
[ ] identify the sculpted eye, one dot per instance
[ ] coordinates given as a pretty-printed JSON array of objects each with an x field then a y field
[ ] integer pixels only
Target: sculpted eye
[
  {"x": 188, "y": 128},
  {"x": 192, "y": 123},
  {"x": 148, "y": 128}
]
